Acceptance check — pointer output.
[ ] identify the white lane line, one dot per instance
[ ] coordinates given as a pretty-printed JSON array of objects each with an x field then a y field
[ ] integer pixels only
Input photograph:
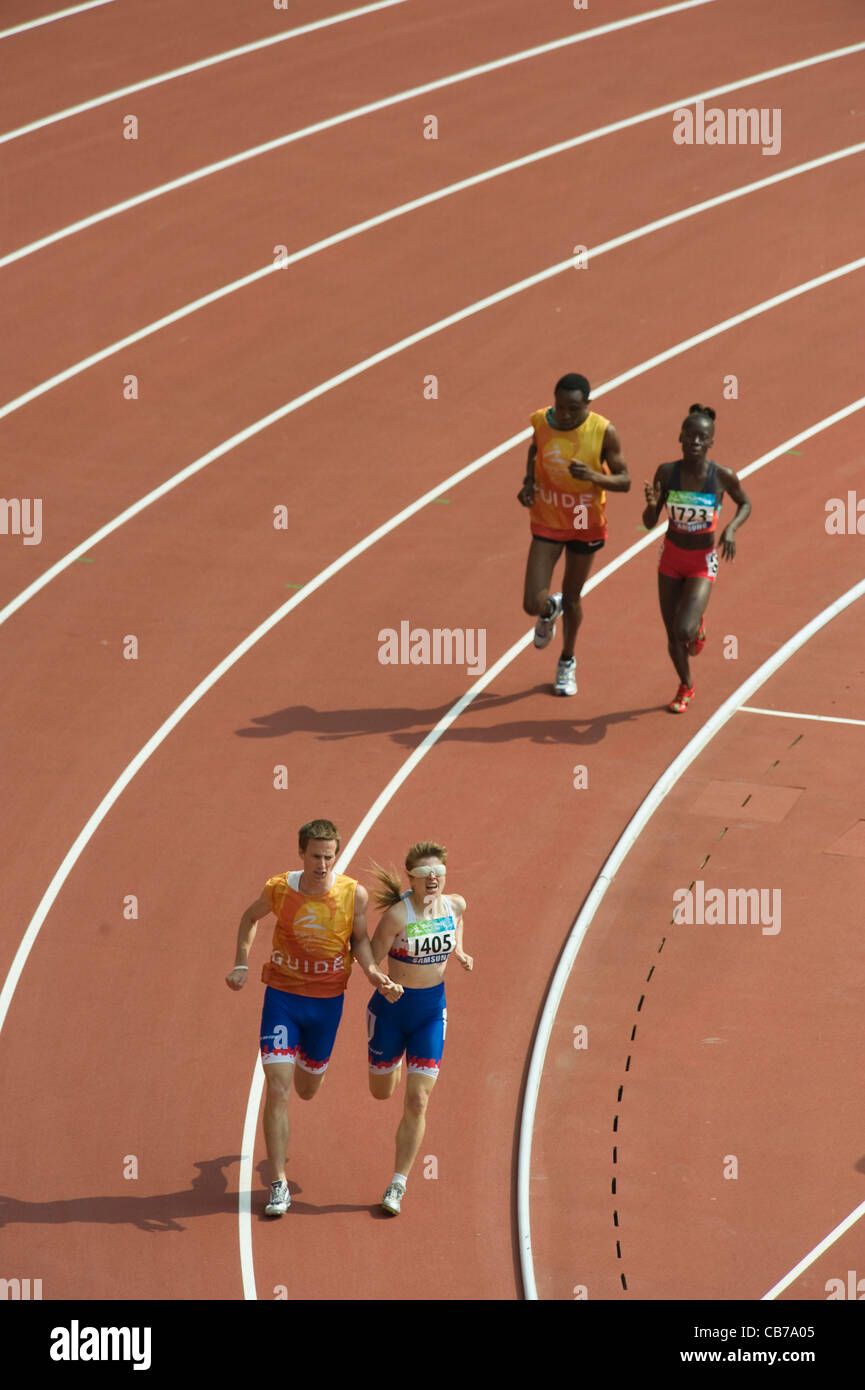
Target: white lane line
[
  {"x": 197, "y": 66},
  {"x": 272, "y": 268},
  {"x": 244, "y": 1189},
  {"x": 49, "y": 18},
  {"x": 257, "y": 1084},
  {"x": 281, "y": 141},
  {"x": 384, "y": 355},
  {"x": 623, "y": 846},
  {"x": 788, "y": 714},
  {"x": 815, "y": 1254}
]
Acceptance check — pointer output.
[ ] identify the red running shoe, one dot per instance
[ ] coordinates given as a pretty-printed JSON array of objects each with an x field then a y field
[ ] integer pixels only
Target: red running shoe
[
  {"x": 683, "y": 698},
  {"x": 699, "y": 642}
]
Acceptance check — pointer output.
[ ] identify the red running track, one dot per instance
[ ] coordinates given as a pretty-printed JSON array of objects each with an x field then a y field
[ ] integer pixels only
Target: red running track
[{"x": 156, "y": 1056}]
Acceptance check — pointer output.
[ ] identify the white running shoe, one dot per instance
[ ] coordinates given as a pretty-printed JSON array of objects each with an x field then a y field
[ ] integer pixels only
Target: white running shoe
[
  {"x": 566, "y": 678},
  {"x": 545, "y": 628},
  {"x": 392, "y": 1198},
  {"x": 280, "y": 1199}
]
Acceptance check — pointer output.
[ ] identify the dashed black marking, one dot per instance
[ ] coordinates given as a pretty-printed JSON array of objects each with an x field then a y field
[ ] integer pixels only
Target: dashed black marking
[{"x": 642, "y": 1000}]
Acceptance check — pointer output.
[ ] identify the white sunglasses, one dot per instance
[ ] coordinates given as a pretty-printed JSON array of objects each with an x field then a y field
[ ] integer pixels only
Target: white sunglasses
[{"x": 428, "y": 871}]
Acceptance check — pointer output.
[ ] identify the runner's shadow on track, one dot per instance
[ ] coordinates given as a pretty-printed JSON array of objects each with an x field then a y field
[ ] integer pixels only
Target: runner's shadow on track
[
  {"x": 567, "y": 730},
  {"x": 207, "y": 1195},
  {"x": 335, "y": 724},
  {"x": 408, "y": 725}
]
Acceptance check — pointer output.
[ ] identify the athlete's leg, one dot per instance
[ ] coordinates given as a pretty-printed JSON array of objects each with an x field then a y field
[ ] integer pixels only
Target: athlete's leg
[
  {"x": 280, "y": 1038},
  {"x": 385, "y": 1044},
  {"x": 409, "y": 1135},
  {"x": 278, "y": 1077},
  {"x": 306, "y": 1083},
  {"x": 319, "y": 1020},
  {"x": 692, "y": 604},
  {"x": 424, "y": 1048},
  {"x": 382, "y": 1086},
  {"x": 669, "y": 594},
  {"x": 576, "y": 573},
  {"x": 539, "y": 574}
]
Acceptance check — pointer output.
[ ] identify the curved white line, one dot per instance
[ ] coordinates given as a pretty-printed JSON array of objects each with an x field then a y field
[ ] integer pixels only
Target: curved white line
[
  {"x": 244, "y": 1193},
  {"x": 381, "y": 218},
  {"x": 840, "y": 1230},
  {"x": 342, "y": 377},
  {"x": 190, "y": 68},
  {"x": 624, "y": 844},
  {"x": 49, "y": 18},
  {"x": 247, "y": 1266},
  {"x": 283, "y": 140}
]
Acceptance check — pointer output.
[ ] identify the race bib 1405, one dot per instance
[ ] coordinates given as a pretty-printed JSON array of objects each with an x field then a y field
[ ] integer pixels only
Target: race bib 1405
[{"x": 430, "y": 940}]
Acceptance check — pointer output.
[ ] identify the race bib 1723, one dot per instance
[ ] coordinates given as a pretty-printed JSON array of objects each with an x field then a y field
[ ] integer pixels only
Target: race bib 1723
[{"x": 692, "y": 511}]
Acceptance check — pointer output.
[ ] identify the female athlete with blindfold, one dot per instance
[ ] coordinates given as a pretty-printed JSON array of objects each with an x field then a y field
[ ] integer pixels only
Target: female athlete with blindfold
[{"x": 420, "y": 930}]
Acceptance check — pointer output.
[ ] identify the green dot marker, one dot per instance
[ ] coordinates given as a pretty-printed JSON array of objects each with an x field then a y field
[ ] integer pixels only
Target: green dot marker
[
  {"x": 86, "y": 560},
  {"x": 294, "y": 586},
  {"x": 794, "y": 451},
  {"x": 441, "y": 501}
]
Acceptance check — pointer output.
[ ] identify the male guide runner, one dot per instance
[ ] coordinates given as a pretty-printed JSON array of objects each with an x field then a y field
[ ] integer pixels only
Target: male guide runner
[
  {"x": 574, "y": 459},
  {"x": 320, "y": 926}
]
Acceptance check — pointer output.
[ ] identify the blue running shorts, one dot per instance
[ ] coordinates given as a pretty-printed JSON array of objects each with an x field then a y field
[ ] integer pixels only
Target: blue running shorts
[
  {"x": 414, "y": 1025},
  {"x": 298, "y": 1028}
]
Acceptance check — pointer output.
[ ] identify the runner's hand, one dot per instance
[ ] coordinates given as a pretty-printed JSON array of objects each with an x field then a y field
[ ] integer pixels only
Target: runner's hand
[
  {"x": 652, "y": 494},
  {"x": 526, "y": 494},
  {"x": 236, "y": 979},
  {"x": 728, "y": 546},
  {"x": 581, "y": 470},
  {"x": 467, "y": 962},
  {"x": 389, "y": 989}
]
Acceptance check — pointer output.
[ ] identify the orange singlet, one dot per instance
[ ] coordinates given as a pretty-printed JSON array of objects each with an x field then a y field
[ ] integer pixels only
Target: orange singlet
[
  {"x": 312, "y": 937},
  {"x": 565, "y": 508}
]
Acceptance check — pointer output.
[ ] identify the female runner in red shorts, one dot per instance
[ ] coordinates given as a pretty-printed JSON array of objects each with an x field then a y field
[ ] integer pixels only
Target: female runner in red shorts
[{"x": 692, "y": 489}]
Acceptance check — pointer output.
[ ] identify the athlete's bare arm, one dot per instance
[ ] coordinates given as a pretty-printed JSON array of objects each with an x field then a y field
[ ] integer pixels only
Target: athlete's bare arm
[
  {"x": 389, "y": 927},
  {"x": 363, "y": 952},
  {"x": 733, "y": 489},
  {"x": 656, "y": 494},
  {"x": 526, "y": 494},
  {"x": 459, "y": 905},
  {"x": 239, "y": 974},
  {"x": 615, "y": 476},
  {"x": 611, "y": 454}
]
